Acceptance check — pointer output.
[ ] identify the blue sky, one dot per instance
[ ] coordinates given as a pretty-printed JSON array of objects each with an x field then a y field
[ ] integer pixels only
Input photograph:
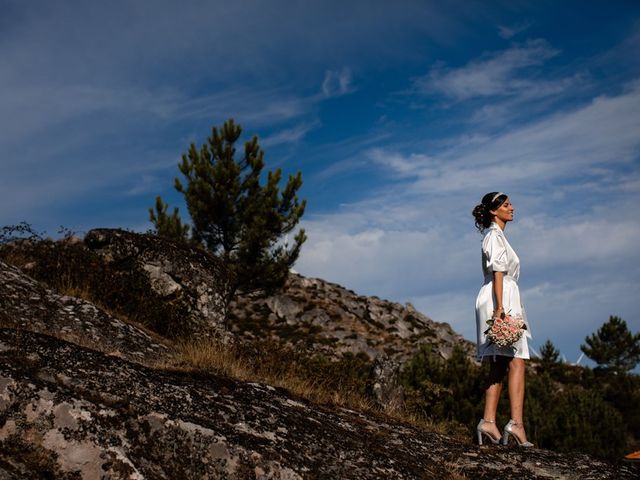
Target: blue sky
[{"x": 400, "y": 115}]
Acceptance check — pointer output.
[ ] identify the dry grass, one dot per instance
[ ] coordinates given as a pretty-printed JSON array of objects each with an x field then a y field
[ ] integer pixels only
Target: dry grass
[
  {"x": 16, "y": 258},
  {"x": 211, "y": 355},
  {"x": 268, "y": 363},
  {"x": 296, "y": 376},
  {"x": 420, "y": 421}
]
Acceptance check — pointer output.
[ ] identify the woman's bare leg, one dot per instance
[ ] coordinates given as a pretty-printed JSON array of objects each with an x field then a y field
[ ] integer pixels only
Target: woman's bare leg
[
  {"x": 516, "y": 395},
  {"x": 497, "y": 371}
]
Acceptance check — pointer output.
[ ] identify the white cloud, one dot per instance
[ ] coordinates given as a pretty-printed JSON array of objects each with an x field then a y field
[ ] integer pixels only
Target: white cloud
[
  {"x": 454, "y": 308},
  {"x": 495, "y": 74},
  {"x": 399, "y": 164},
  {"x": 384, "y": 250},
  {"x": 289, "y": 135},
  {"x": 572, "y": 143},
  {"x": 87, "y": 87},
  {"x": 590, "y": 242},
  {"x": 146, "y": 185},
  {"x": 507, "y": 32},
  {"x": 337, "y": 83},
  {"x": 578, "y": 308},
  {"x": 87, "y": 138}
]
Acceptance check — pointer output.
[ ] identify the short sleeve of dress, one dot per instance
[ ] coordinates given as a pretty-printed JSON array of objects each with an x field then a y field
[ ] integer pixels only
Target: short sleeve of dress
[{"x": 495, "y": 253}]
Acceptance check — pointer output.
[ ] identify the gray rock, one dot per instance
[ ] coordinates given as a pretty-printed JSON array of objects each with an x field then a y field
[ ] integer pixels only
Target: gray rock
[
  {"x": 354, "y": 323},
  {"x": 70, "y": 412},
  {"x": 335, "y": 321},
  {"x": 284, "y": 307},
  {"x": 26, "y": 304},
  {"x": 188, "y": 277},
  {"x": 383, "y": 384}
]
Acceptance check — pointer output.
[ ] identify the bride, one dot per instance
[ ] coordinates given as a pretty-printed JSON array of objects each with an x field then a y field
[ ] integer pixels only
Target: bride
[{"x": 498, "y": 296}]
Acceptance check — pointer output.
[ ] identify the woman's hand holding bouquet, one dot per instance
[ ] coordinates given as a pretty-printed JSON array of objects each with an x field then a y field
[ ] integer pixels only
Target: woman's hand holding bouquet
[{"x": 505, "y": 330}]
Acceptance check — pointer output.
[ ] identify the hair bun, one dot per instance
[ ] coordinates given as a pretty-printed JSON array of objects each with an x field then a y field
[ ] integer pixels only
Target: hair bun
[
  {"x": 479, "y": 210},
  {"x": 480, "y": 214}
]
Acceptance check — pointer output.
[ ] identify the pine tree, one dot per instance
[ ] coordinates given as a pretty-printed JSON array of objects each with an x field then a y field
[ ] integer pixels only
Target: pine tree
[
  {"x": 168, "y": 226},
  {"x": 234, "y": 216},
  {"x": 613, "y": 346},
  {"x": 550, "y": 362},
  {"x": 549, "y": 354}
]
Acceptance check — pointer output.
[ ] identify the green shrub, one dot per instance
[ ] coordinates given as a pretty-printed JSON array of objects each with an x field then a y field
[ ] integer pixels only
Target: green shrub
[
  {"x": 567, "y": 408},
  {"x": 443, "y": 389}
]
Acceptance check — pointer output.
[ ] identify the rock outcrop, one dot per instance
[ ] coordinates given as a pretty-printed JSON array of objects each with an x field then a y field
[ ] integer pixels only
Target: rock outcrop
[
  {"x": 26, "y": 304},
  {"x": 70, "y": 412},
  {"x": 384, "y": 385},
  {"x": 310, "y": 313},
  {"x": 326, "y": 317},
  {"x": 179, "y": 274}
]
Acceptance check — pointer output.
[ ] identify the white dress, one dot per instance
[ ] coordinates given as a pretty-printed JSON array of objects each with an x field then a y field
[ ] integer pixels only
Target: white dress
[{"x": 498, "y": 256}]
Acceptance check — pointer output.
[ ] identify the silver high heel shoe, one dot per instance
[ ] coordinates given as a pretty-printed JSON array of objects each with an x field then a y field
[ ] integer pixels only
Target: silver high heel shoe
[
  {"x": 480, "y": 431},
  {"x": 508, "y": 430}
]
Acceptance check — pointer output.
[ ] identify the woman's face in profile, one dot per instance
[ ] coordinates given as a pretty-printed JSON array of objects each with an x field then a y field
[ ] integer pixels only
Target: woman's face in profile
[{"x": 504, "y": 212}]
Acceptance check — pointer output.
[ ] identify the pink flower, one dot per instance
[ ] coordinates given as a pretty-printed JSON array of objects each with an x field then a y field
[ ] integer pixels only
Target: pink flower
[{"x": 505, "y": 332}]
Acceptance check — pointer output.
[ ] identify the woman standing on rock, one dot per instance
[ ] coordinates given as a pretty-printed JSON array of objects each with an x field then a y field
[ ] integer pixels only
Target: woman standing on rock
[{"x": 498, "y": 303}]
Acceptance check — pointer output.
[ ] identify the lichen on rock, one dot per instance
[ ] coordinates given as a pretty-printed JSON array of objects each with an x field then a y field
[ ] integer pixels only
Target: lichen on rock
[
  {"x": 28, "y": 305},
  {"x": 83, "y": 393},
  {"x": 119, "y": 419}
]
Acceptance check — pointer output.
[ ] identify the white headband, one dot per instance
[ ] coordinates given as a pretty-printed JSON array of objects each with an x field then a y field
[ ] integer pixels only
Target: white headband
[{"x": 496, "y": 196}]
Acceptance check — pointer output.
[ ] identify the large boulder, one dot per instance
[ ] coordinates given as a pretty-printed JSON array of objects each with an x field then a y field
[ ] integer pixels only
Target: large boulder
[{"x": 189, "y": 279}]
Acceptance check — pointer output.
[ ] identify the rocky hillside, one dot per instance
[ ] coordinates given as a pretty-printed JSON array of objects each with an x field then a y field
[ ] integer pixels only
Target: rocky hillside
[
  {"x": 85, "y": 392},
  {"x": 177, "y": 290},
  {"x": 327, "y": 317},
  {"x": 308, "y": 312},
  {"x": 71, "y": 412}
]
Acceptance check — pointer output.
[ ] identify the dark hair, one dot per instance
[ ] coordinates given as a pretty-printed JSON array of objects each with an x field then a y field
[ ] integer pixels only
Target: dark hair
[{"x": 482, "y": 211}]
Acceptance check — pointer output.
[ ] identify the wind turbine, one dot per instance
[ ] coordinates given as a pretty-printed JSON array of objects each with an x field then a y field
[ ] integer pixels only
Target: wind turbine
[{"x": 576, "y": 363}]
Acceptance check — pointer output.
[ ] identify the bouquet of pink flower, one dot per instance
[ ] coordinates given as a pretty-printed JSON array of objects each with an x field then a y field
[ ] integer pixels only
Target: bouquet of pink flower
[{"x": 505, "y": 330}]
